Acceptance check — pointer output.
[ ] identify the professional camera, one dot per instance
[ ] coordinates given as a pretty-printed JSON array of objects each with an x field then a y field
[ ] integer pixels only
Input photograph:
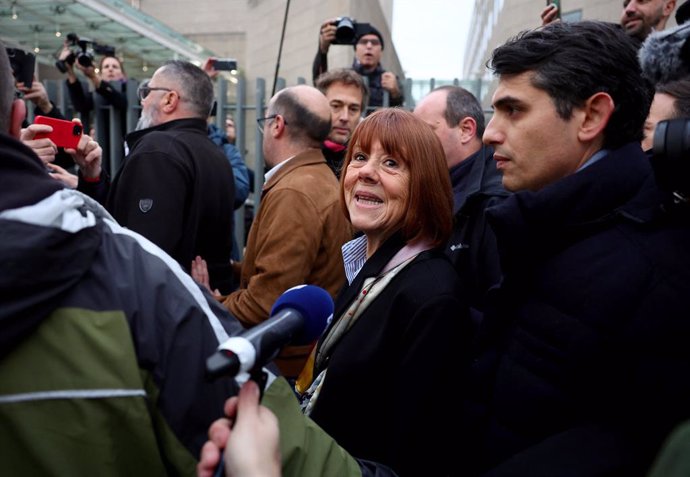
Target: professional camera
[
  {"x": 348, "y": 30},
  {"x": 671, "y": 159},
  {"x": 22, "y": 64},
  {"x": 82, "y": 51}
]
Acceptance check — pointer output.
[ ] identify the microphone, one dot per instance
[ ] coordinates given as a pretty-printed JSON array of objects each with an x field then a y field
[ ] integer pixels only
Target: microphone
[
  {"x": 299, "y": 316},
  {"x": 665, "y": 55}
]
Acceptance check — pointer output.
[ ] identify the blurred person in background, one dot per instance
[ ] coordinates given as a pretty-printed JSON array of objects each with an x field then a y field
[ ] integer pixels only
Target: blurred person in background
[
  {"x": 368, "y": 49},
  {"x": 347, "y": 96}
]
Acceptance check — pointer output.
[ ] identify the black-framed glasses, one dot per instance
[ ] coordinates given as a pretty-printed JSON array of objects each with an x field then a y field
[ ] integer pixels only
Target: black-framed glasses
[
  {"x": 144, "y": 89},
  {"x": 260, "y": 121}
]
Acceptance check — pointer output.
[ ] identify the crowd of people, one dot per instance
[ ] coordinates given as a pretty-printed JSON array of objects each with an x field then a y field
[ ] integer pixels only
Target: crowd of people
[{"x": 509, "y": 295}]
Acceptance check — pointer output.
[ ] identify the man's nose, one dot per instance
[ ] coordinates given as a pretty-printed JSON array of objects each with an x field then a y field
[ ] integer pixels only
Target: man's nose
[{"x": 491, "y": 135}]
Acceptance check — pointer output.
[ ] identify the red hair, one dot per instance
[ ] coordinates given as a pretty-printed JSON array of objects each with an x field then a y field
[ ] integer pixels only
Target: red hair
[{"x": 407, "y": 138}]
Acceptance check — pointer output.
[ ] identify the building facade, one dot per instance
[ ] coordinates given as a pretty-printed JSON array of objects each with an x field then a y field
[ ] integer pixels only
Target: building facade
[{"x": 494, "y": 21}]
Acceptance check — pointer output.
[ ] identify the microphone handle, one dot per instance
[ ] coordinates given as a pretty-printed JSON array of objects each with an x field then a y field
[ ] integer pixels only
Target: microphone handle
[{"x": 223, "y": 362}]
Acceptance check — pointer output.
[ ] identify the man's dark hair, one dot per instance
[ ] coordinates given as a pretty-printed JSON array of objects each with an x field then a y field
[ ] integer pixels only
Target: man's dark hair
[
  {"x": 195, "y": 85},
  {"x": 346, "y": 76},
  {"x": 572, "y": 61},
  {"x": 680, "y": 91},
  {"x": 304, "y": 126},
  {"x": 460, "y": 104},
  {"x": 6, "y": 90}
]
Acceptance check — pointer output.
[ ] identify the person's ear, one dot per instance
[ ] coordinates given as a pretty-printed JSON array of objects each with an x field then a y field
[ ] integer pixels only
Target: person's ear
[
  {"x": 468, "y": 129},
  {"x": 170, "y": 101},
  {"x": 17, "y": 116},
  {"x": 668, "y": 7},
  {"x": 278, "y": 126},
  {"x": 595, "y": 116}
]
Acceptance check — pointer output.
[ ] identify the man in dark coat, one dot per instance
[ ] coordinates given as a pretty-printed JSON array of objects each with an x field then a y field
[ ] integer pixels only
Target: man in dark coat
[
  {"x": 457, "y": 118},
  {"x": 581, "y": 363},
  {"x": 176, "y": 187}
]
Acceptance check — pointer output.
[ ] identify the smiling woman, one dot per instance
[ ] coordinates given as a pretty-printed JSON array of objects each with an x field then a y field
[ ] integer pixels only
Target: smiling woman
[{"x": 403, "y": 314}]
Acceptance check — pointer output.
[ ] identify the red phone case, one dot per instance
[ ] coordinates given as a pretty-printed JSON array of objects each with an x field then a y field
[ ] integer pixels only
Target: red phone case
[{"x": 65, "y": 133}]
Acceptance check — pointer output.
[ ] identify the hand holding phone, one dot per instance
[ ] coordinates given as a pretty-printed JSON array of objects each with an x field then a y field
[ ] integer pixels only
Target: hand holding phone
[
  {"x": 557, "y": 4},
  {"x": 65, "y": 133},
  {"x": 224, "y": 64}
]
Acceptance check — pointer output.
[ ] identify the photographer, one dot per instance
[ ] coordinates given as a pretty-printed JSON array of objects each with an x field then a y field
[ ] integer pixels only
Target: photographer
[
  {"x": 104, "y": 83},
  {"x": 368, "y": 44}
]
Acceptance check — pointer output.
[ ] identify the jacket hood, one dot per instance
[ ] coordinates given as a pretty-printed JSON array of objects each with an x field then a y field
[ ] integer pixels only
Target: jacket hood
[{"x": 49, "y": 237}]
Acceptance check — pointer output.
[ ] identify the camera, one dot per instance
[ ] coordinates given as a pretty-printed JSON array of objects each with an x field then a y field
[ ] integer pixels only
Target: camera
[
  {"x": 348, "y": 30},
  {"x": 82, "y": 50},
  {"x": 671, "y": 158},
  {"x": 22, "y": 64}
]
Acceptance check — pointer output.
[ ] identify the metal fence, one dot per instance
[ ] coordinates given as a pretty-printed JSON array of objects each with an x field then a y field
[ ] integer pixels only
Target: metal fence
[{"x": 232, "y": 99}]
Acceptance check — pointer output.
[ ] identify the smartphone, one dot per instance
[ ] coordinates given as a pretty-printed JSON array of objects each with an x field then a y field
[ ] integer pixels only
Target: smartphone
[
  {"x": 23, "y": 64},
  {"x": 65, "y": 133},
  {"x": 225, "y": 64},
  {"x": 558, "y": 5}
]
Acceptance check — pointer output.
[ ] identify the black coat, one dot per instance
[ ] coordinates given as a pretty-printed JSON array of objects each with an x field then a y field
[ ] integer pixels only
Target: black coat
[
  {"x": 385, "y": 395},
  {"x": 584, "y": 356},
  {"x": 472, "y": 246},
  {"x": 176, "y": 188}
]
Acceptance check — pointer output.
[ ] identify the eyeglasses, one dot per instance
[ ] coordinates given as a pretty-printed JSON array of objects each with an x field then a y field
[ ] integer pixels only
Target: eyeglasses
[
  {"x": 373, "y": 41},
  {"x": 260, "y": 121},
  {"x": 144, "y": 89}
]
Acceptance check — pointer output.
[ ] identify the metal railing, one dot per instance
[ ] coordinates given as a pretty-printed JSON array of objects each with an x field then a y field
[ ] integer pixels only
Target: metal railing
[{"x": 232, "y": 100}]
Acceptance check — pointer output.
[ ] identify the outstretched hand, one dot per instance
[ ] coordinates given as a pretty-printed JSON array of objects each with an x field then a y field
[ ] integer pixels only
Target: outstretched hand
[
  {"x": 250, "y": 436},
  {"x": 549, "y": 14},
  {"x": 88, "y": 156},
  {"x": 44, "y": 148},
  {"x": 37, "y": 94},
  {"x": 327, "y": 34},
  {"x": 67, "y": 178},
  {"x": 199, "y": 272}
]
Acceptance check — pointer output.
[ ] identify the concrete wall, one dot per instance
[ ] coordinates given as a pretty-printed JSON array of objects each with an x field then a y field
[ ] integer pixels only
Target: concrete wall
[{"x": 250, "y": 30}]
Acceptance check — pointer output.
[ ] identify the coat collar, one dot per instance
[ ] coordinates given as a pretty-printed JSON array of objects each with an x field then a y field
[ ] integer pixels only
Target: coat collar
[
  {"x": 372, "y": 268},
  {"x": 618, "y": 187},
  {"x": 477, "y": 175},
  {"x": 190, "y": 123},
  {"x": 304, "y": 158}
]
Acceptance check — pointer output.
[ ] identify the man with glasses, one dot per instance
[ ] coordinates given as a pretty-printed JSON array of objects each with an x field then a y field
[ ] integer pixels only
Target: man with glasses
[
  {"x": 368, "y": 50},
  {"x": 176, "y": 187},
  {"x": 300, "y": 227}
]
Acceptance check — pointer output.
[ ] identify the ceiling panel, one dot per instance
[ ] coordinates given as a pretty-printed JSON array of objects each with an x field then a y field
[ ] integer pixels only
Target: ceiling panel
[{"x": 142, "y": 42}]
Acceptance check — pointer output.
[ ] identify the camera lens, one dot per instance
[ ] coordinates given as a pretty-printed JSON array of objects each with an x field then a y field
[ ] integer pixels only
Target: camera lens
[
  {"x": 85, "y": 60},
  {"x": 76, "y": 130},
  {"x": 345, "y": 31}
]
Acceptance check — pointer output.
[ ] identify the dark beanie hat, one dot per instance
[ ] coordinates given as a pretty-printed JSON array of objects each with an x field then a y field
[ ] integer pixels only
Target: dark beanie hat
[
  {"x": 683, "y": 13},
  {"x": 367, "y": 29}
]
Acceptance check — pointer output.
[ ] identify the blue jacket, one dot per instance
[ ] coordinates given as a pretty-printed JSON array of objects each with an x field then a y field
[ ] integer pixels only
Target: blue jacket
[{"x": 239, "y": 169}]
